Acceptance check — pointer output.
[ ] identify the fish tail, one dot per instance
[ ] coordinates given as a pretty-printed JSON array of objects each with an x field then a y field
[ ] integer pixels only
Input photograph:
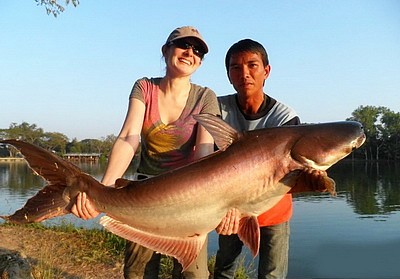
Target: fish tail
[
  {"x": 56, "y": 197},
  {"x": 46, "y": 204}
]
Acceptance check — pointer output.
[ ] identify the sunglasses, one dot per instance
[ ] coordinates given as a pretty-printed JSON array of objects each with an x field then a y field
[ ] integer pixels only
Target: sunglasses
[{"x": 185, "y": 45}]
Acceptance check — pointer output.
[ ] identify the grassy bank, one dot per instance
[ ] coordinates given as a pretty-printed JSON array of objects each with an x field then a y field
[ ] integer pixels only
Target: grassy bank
[{"x": 65, "y": 251}]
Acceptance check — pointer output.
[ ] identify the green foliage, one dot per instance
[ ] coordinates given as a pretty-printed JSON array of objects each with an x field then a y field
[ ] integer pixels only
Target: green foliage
[
  {"x": 55, "y": 141},
  {"x": 53, "y": 7},
  {"x": 166, "y": 267},
  {"x": 243, "y": 271},
  {"x": 382, "y": 128},
  {"x": 25, "y": 131}
]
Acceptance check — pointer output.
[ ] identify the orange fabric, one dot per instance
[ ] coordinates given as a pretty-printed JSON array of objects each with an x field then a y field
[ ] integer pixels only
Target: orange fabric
[{"x": 278, "y": 214}]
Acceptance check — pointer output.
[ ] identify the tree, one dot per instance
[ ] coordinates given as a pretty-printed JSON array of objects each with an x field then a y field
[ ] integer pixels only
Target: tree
[
  {"x": 25, "y": 131},
  {"x": 91, "y": 146},
  {"x": 3, "y": 133},
  {"x": 32, "y": 133},
  {"x": 53, "y": 7},
  {"x": 382, "y": 129},
  {"x": 55, "y": 142},
  {"x": 391, "y": 134},
  {"x": 368, "y": 116},
  {"x": 108, "y": 143},
  {"x": 74, "y": 146}
]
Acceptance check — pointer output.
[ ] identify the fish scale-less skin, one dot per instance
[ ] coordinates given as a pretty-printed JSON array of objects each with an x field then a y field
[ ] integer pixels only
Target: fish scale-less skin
[
  {"x": 173, "y": 212},
  {"x": 193, "y": 202}
]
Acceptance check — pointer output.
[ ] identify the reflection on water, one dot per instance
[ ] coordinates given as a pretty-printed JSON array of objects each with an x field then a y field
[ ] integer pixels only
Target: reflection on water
[
  {"x": 353, "y": 235},
  {"x": 370, "y": 189}
]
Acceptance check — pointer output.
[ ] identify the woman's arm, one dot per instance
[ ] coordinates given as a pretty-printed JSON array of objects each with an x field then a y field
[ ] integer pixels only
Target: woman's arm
[
  {"x": 126, "y": 144},
  {"x": 204, "y": 143},
  {"x": 120, "y": 157}
]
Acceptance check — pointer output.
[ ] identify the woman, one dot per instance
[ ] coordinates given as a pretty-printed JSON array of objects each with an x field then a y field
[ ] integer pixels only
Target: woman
[{"x": 160, "y": 114}]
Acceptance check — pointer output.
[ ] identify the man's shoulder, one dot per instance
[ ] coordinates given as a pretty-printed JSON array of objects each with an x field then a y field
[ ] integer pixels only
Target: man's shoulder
[
  {"x": 227, "y": 104},
  {"x": 283, "y": 108},
  {"x": 284, "y": 114},
  {"x": 226, "y": 99}
]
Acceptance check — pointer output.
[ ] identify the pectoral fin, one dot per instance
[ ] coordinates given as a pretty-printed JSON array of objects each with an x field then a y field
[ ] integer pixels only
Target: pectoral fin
[
  {"x": 249, "y": 233},
  {"x": 184, "y": 250},
  {"x": 312, "y": 181}
]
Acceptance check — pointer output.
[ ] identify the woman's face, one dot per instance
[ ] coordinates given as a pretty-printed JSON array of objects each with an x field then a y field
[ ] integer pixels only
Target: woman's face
[{"x": 183, "y": 57}]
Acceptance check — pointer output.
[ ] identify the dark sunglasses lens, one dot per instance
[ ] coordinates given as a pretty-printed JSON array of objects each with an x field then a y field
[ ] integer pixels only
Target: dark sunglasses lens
[
  {"x": 181, "y": 44},
  {"x": 197, "y": 52},
  {"x": 185, "y": 45}
]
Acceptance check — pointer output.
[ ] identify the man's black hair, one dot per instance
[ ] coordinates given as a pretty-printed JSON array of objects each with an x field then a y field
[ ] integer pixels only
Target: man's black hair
[{"x": 246, "y": 45}]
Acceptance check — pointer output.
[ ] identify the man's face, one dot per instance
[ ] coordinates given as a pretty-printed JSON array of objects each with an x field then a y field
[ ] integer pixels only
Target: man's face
[{"x": 247, "y": 73}]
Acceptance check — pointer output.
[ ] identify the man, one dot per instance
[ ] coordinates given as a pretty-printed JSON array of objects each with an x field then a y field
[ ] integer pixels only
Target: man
[{"x": 250, "y": 108}]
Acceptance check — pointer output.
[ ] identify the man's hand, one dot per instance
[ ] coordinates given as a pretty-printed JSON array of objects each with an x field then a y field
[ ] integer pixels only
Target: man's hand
[
  {"x": 83, "y": 208},
  {"x": 230, "y": 223}
]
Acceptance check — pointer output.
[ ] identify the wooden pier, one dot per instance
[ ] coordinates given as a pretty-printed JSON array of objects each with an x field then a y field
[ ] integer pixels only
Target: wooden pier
[{"x": 82, "y": 157}]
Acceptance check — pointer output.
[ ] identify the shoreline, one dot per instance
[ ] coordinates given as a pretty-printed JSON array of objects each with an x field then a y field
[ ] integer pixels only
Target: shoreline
[{"x": 11, "y": 159}]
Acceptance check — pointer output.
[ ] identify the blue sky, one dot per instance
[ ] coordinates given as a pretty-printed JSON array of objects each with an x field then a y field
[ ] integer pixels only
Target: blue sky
[{"x": 73, "y": 74}]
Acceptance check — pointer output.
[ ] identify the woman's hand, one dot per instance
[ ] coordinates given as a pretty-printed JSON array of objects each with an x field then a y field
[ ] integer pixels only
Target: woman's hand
[
  {"x": 230, "y": 223},
  {"x": 83, "y": 208}
]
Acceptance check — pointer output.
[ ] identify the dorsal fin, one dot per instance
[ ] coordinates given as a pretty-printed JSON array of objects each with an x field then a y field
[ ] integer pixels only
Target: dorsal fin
[
  {"x": 122, "y": 183},
  {"x": 224, "y": 135}
]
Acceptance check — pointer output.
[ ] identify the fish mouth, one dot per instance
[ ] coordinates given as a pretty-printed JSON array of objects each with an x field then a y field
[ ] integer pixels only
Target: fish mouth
[
  {"x": 359, "y": 141},
  {"x": 311, "y": 164}
]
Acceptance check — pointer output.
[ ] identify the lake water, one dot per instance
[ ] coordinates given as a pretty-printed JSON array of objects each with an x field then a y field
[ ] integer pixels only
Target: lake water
[{"x": 353, "y": 235}]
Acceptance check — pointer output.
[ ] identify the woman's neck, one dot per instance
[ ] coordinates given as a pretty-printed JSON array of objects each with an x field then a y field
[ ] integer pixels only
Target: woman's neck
[
  {"x": 172, "y": 98},
  {"x": 175, "y": 86}
]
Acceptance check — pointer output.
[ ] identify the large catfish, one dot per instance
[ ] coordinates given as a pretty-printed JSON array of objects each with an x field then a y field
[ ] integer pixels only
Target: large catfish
[{"x": 172, "y": 213}]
